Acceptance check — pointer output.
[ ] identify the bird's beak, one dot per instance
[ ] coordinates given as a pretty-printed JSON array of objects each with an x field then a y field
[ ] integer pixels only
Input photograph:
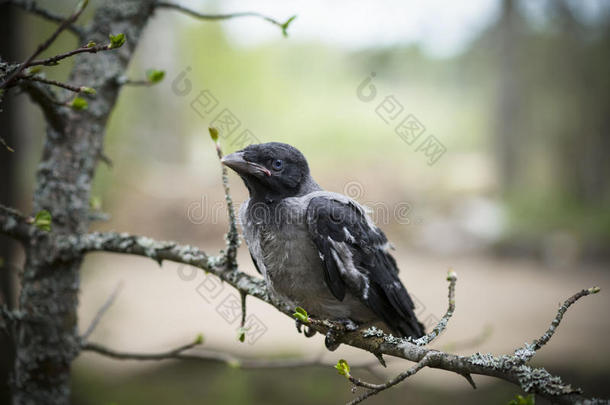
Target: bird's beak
[{"x": 237, "y": 162}]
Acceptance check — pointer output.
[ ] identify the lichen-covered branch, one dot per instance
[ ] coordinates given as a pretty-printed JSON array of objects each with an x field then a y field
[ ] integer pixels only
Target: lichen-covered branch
[
  {"x": 528, "y": 351},
  {"x": 442, "y": 324},
  {"x": 507, "y": 367}
]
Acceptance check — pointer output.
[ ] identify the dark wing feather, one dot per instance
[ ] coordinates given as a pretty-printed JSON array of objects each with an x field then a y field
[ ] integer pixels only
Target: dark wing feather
[
  {"x": 255, "y": 264},
  {"x": 355, "y": 257}
]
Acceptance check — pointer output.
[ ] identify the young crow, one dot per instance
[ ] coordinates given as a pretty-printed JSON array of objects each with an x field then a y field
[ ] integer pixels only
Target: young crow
[{"x": 317, "y": 249}]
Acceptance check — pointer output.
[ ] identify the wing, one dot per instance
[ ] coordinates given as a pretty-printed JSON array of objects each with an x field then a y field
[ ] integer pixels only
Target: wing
[
  {"x": 255, "y": 264},
  {"x": 355, "y": 257}
]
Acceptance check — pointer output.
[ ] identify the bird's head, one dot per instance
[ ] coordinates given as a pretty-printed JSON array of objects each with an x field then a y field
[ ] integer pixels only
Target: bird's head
[{"x": 272, "y": 171}]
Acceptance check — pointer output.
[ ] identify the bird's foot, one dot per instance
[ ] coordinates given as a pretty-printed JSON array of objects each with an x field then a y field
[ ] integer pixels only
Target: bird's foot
[
  {"x": 330, "y": 341},
  {"x": 308, "y": 332},
  {"x": 348, "y": 324},
  {"x": 333, "y": 334}
]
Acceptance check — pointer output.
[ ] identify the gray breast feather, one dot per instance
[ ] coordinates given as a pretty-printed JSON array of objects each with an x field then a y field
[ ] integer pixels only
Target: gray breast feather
[{"x": 251, "y": 238}]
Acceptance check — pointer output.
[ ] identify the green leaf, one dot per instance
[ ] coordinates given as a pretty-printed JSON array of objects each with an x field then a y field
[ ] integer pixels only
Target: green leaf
[
  {"x": 95, "y": 203},
  {"x": 88, "y": 90},
  {"x": 1, "y": 261},
  {"x": 154, "y": 75},
  {"x": 34, "y": 69},
  {"x": 213, "y": 133},
  {"x": 43, "y": 220},
  {"x": 241, "y": 334},
  {"x": 116, "y": 41},
  {"x": 199, "y": 339},
  {"x": 90, "y": 44},
  {"x": 79, "y": 103},
  {"x": 301, "y": 315},
  {"x": 342, "y": 367},
  {"x": 286, "y": 24},
  {"x": 520, "y": 400}
]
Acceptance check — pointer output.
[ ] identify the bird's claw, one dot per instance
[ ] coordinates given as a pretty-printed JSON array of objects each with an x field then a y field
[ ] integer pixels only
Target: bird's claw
[
  {"x": 330, "y": 341},
  {"x": 308, "y": 332},
  {"x": 333, "y": 334}
]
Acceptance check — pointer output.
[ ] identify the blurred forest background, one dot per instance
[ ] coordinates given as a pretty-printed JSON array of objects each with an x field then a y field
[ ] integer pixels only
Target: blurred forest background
[{"x": 517, "y": 92}]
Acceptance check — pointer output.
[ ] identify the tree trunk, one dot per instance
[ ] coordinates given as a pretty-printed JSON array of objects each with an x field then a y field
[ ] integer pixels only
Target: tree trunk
[
  {"x": 8, "y": 167},
  {"x": 47, "y": 339}
]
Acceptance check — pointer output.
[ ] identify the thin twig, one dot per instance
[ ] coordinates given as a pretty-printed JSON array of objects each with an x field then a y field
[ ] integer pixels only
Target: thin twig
[
  {"x": 527, "y": 352},
  {"x": 210, "y": 355},
  {"x": 16, "y": 225},
  {"x": 32, "y": 7},
  {"x": 128, "y": 82},
  {"x": 102, "y": 311},
  {"x": 442, "y": 324},
  {"x": 76, "y": 89},
  {"x": 283, "y": 25},
  {"x": 377, "y": 388},
  {"x": 170, "y": 354},
  {"x": 83, "y": 49},
  {"x": 232, "y": 235},
  {"x": 67, "y": 22}
]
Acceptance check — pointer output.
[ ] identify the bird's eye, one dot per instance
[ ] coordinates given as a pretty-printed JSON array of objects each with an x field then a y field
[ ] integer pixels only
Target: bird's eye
[{"x": 277, "y": 164}]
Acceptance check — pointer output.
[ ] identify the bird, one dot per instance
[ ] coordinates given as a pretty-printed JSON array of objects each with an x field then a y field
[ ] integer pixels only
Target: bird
[{"x": 317, "y": 249}]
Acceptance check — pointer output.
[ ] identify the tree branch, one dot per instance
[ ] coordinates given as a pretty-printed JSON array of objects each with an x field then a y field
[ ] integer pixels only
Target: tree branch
[
  {"x": 76, "y": 89},
  {"x": 170, "y": 354},
  {"x": 172, "y": 6},
  {"x": 32, "y": 7},
  {"x": 16, "y": 225},
  {"x": 67, "y": 22},
  {"x": 232, "y": 235},
  {"x": 511, "y": 368},
  {"x": 44, "y": 97},
  {"x": 83, "y": 49},
  {"x": 102, "y": 311},
  {"x": 527, "y": 352},
  {"x": 506, "y": 367},
  {"x": 442, "y": 324},
  {"x": 377, "y": 388},
  {"x": 210, "y": 355}
]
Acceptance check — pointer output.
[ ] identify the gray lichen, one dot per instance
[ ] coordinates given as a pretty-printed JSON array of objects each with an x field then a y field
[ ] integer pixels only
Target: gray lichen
[{"x": 530, "y": 379}]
